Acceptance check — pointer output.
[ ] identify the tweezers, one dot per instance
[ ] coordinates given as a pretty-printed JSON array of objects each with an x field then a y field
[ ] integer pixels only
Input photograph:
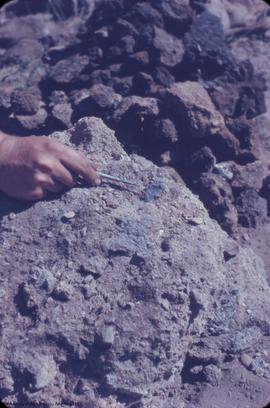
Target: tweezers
[{"x": 114, "y": 178}]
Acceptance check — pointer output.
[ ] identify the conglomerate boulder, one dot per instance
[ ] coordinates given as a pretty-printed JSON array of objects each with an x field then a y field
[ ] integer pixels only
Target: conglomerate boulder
[{"x": 121, "y": 290}]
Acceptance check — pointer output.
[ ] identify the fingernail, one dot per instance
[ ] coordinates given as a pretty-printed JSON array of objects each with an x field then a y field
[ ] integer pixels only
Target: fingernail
[{"x": 97, "y": 181}]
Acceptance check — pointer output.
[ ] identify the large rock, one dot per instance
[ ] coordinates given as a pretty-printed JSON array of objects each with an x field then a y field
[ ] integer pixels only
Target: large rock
[
  {"x": 216, "y": 194},
  {"x": 144, "y": 274},
  {"x": 136, "y": 106},
  {"x": 176, "y": 13},
  {"x": 68, "y": 69},
  {"x": 192, "y": 103},
  {"x": 170, "y": 49},
  {"x": 207, "y": 53},
  {"x": 252, "y": 209}
]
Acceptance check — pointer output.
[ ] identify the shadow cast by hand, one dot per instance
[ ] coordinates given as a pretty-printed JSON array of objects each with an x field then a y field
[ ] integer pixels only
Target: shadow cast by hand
[{"x": 11, "y": 205}]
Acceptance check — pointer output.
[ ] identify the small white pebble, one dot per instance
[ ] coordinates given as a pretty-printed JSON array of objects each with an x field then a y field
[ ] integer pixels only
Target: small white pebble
[
  {"x": 12, "y": 216},
  {"x": 69, "y": 215}
]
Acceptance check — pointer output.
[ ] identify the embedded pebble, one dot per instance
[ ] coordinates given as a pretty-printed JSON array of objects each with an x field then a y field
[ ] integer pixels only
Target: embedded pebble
[
  {"x": 195, "y": 221},
  {"x": 246, "y": 360},
  {"x": 69, "y": 215},
  {"x": 108, "y": 334},
  {"x": 62, "y": 292}
]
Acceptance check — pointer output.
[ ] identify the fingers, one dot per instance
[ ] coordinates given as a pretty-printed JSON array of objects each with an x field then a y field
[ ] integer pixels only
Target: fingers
[
  {"x": 37, "y": 194},
  {"x": 79, "y": 164},
  {"x": 64, "y": 176},
  {"x": 55, "y": 187}
]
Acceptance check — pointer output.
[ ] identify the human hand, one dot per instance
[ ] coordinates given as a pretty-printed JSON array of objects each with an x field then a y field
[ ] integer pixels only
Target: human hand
[{"x": 33, "y": 167}]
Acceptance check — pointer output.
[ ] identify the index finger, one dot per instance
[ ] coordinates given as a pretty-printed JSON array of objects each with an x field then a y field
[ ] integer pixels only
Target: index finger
[{"x": 79, "y": 164}]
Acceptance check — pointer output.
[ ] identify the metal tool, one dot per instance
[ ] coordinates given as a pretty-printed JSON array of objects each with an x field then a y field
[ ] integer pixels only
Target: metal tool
[{"x": 114, "y": 178}]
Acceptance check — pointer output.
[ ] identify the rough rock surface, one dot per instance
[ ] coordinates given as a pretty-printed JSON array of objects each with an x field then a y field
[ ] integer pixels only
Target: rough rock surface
[
  {"x": 111, "y": 58},
  {"x": 192, "y": 102},
  {"x": 103, "y": 295}
]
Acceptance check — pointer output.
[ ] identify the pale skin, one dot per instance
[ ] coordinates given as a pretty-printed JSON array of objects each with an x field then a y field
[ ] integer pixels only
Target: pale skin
[{"x": 33, "y": 167}]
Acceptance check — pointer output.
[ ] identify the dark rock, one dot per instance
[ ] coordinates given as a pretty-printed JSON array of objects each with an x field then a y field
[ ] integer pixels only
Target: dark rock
[
  {"x": 169, "y": 49},
  {"x": 143, "y": 13},
  {"x": 250, "y": 175},
  {"x": 137, "y": 106},
  {"x": 139, "y": 60},
  {"x": 31, "y": 123},
  {"x": 103, "y": 97},
  {"x": 217, "y": 196},
  {"x": 243, "y": 130},
  {"x": 163, "y": 129},
  {"x": 25, "y": 102},
  {"x": 68, "y": 70},
  {"x": 191, "y": 102},
  {"x": 207, "y": 54},
  {"x": 265, "y": 190},
  {"x": 26, "y": 51},
  {"x": 203, "y": 160},
  {"x": 225, "y": 98},
  {"x": 252, "y": 209},
  {"x": 244, "y": 157},
  {"x": 107, "y": 11},
  {"x": 250, "y": 104},
  {"x": 63, "y": 112},
  {"x": 143, "y": 83},
  {"x": 167, "y": 130},
  {"x": 27, "y": 300},
  {"x": 177, "y": 14},
  {"x": 58, "y": 97},
  {"x": 98, "y": 76},
  {"x": 163, "y": 76},
  {"x": 123, "y": 86},
  {"x": 115, "y": 69},
  {"x": 114, "y": 53},
  {"x": 216, "y": 190},
  {"x": 146, "y": 37},
  {"x": 77, "y": 96},
  {"x": 5, "y": 96},
  {"x": 122, "y": 28},
  {"x": 127, "y": 44},
  {"x": 224, "y": 144},
  {"x": 95, "y": 54}
]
